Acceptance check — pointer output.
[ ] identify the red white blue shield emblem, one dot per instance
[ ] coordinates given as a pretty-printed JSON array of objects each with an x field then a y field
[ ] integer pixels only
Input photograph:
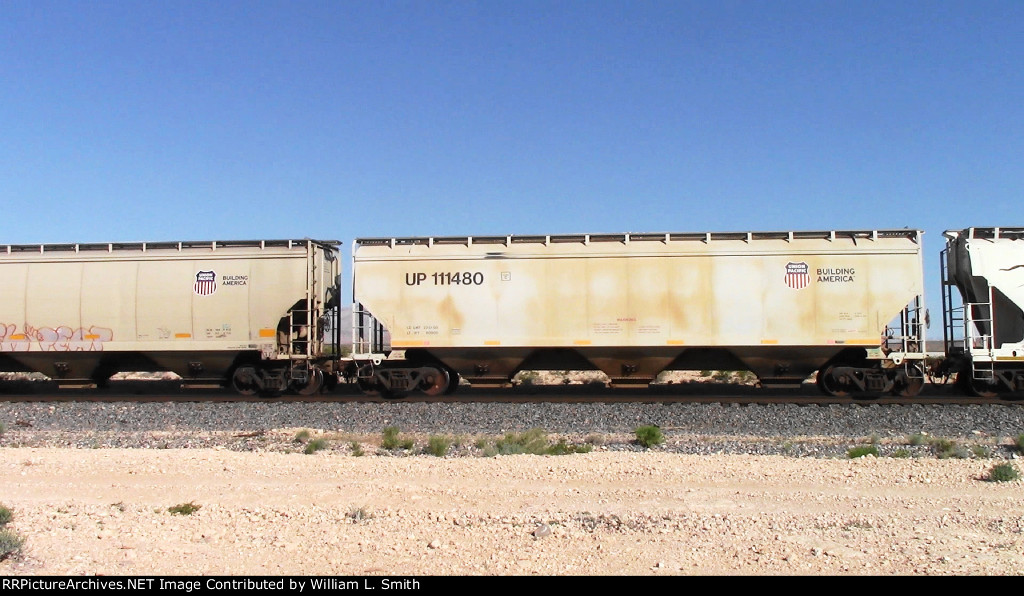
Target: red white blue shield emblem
[
  {"x": 206, "y": 283},
  {"x": 797, "y": 275}
]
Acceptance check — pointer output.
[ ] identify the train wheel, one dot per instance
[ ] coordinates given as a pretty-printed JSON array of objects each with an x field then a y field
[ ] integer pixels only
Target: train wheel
[
  {"x": 243, "y": 380},
  {"x": 912, "y": 385},
  {"x": 436, "y": 382},
  {"x": 829, "y": 384},
  {"x": 311, "y": 387},
  {"x": 367, "y": 387},
  {"x": 966, "y": 382},
  {"x": 980, "y": 389},
  {"x": 453, "y": 382}
]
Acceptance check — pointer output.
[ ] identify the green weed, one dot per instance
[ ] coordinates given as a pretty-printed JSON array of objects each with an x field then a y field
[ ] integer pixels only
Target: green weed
[
  {"x": 10, "y": 543},
  {"x": 315, "y": 445},
  {"x": 438, "y": 445},
  {"x": 390, "y": 439},
  {"x": 861, "y": 451},
  {"x": 1004, "y": 472},
  {"x": 184, "y": 508},
  {"x": 649, "y": 436}
]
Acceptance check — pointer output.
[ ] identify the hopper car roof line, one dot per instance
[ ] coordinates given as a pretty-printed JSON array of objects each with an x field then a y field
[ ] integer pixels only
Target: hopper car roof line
[
  {"x": 987, "y": 233},
  {"x": 666, "y": 237},
  {"x": 593, "y": 256},
  {"x": 212, "y": 245}
]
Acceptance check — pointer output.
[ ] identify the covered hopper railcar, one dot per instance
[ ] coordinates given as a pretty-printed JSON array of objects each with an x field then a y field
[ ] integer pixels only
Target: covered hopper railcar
[
  {"x": 984, "y": 318},
  {"x": 429, "y": 311},
  {"x": 781, "y": 304},
  {"x": 244, "y": 313}
]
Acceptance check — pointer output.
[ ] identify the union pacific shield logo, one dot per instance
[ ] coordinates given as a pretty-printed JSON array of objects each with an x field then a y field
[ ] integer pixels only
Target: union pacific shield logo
[
  {"x": 797, "y": 275},
  {"x": 206, "y": 283}
]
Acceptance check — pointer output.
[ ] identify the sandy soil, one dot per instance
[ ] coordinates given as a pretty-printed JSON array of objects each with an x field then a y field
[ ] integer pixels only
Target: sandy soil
[{"x": 105, "y": 511}]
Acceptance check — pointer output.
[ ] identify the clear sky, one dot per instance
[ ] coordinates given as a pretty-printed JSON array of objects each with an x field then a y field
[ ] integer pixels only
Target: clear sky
[{"x": 171, "y": 120}]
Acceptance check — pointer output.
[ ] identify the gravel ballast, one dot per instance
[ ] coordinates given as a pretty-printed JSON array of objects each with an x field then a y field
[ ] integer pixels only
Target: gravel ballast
[{"x": 788, "y": 429}]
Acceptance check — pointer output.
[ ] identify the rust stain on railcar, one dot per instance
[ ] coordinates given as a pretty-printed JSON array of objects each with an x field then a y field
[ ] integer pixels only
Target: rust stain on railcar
[
  {"x": 716, "y": 293},
  {"x": 690, "y": 309}
]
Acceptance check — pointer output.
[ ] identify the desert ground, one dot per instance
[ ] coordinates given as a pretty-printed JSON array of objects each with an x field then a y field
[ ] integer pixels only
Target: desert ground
[{"x": 108, "y": 512}]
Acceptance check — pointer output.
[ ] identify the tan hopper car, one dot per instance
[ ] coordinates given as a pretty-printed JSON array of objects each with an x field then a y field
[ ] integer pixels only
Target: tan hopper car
[
  {"x": 781, "y": 304},
  {"x": 240, "y": 312}
]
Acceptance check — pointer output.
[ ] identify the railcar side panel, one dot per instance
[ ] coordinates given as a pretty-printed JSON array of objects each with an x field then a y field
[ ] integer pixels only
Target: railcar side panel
[
  {"x": 111, "y": 299},
  {"x": 548, "y": 298},
  {"x": 663, "y": 293},
  {"x": 12, "y": 307},
  {"x": 75, "y": 311}
]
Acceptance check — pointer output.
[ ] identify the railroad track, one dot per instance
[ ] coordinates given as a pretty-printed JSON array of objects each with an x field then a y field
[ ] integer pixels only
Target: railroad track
[{"x": 157, "y": 391}]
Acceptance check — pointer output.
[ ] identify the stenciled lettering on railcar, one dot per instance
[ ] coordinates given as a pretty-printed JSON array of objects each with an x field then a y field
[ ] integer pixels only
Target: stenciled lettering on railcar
[
  {"x": 234, "y": 280},
  {"x": 446, "y": 278},
  {"x": 836, "y": 275},
  {"x": 206, "y": 283}
]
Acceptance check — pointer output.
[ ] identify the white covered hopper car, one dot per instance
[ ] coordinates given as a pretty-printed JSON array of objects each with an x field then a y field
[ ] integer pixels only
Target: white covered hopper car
[
  {"x": 984, "y": 320},
  {"x": 781, "y": 304},
  {"x": 244, "y": 313}
]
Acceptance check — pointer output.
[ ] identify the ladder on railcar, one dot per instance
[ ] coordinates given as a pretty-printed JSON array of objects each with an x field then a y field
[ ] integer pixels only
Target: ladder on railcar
[
  {"x": 304, "y": 337},
  {"x": 908, "y": 335},
  {"x": 368, "y": 336},
  {"x": 962, "y": 327},
  {"x": 979, "y": 344},
  {"x": 953, "y": 317}
]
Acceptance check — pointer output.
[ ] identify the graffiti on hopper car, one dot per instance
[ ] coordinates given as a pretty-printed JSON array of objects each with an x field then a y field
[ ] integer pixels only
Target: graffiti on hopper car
[{"x": 53, "y": 339}]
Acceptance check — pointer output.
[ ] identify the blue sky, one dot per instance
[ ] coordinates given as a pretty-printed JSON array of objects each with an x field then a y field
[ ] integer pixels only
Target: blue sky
[{"x": 171, "y": 120}]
